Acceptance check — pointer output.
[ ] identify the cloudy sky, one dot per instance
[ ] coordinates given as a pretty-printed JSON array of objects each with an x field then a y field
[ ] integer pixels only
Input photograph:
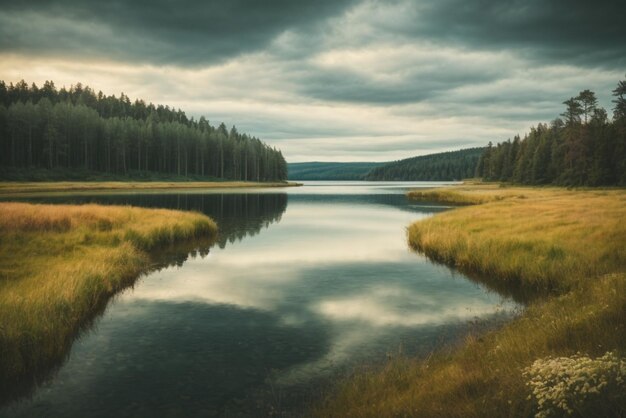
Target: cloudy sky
[{"x": 330, "y": 80}]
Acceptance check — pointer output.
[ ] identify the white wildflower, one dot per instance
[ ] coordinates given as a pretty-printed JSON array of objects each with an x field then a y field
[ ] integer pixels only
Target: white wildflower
[{"x": 563, "y": 385}]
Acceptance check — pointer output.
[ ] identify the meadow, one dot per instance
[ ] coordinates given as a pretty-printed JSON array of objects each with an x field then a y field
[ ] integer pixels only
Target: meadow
[
  {"x": 562, "y": 252},
  {"x": 60, "y": 264}
]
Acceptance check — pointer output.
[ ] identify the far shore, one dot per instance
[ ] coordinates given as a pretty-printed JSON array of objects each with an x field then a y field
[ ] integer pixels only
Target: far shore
[{"x": 17, "y": 188}]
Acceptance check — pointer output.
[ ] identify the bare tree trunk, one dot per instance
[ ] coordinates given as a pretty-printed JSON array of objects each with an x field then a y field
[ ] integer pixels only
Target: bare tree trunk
[
  {"x": 86, "y": 165},
  {"x": 138, "y": 155},
  {"x": 178, "y": 155},
  {"x": 30, "y": 145},
  {"x": 49, "y": 148},
  {"x": 13, "y": 149},
  {"x": 124, "y": 158},
  {"x": 222, "y": 160}
]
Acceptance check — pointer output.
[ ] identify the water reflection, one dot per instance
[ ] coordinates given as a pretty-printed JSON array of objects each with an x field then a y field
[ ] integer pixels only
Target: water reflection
[
  {"x": 34, "y": 375},
  {"x": 251, "y": 327},
  {"x": 237, "y": 214}
]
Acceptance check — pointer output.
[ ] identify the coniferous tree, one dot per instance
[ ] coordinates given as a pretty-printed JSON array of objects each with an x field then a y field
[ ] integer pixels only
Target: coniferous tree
[
  {"x": 618, "y": 142},
  {"x": 586, "y": 149},
  {"x": 588, "y": 102},
  {"x": 77, "y": 128},
  {"x": 454, "y": 165}
]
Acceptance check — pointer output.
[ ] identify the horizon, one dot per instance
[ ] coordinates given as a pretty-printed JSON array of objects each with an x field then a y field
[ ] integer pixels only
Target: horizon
[{"x": 350, "y": 81}]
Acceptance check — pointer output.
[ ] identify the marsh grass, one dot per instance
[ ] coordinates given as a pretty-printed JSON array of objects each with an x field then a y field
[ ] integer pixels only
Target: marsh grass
[
  {"x": 545, "y": 243},
  {"x": 473, "y": 193},
  {"x": 565, "y": 249},
  {"x": 59, "y": 265}
]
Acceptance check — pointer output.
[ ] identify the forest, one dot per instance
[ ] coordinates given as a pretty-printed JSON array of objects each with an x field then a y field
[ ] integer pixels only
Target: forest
[
  {"x": 330, "y": 170},
  {"x": 76, "y": 128},
  {"x": 444, "y": 166},
  {"x": 583, "y": 148}
]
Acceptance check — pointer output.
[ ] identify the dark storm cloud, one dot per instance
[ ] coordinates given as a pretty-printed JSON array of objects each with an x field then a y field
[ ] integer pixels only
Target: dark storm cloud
[
  {"x": 157, "y": 31},
  {"x": 414, "y": 86},
  {"x": 577, "y": 31},
  {"x": 338, "y": 79},
  {"x": 533, "y": 33},
  {"x": 196, "y": 31}
]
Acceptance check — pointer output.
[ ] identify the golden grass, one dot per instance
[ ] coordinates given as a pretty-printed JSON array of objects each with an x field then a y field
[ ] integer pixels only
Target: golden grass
[
  {"x": 11, "y": 188},
  {"x": 566, "y": 249},
  {"x": 483, "y": 377},
  {"x": 59, "y": 264},
  {"x": 472, "y": 193},
  {"x": 546, "y": 242}
]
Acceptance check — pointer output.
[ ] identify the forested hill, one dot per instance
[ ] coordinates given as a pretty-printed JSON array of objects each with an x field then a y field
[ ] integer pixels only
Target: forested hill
[
  {"x": 330, "y": 171},
  {"x": 76, "y": 128},
  {"x": 444, "y": 166},
  {"x": 584, "y": 148}
]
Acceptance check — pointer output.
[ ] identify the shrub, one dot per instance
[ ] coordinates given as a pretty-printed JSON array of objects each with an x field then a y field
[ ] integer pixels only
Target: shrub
[{"x": 577, "y": 385}]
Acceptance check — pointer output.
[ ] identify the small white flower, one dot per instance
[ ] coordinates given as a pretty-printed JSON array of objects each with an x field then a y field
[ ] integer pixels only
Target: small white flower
[{"x": 563, "y": 383}]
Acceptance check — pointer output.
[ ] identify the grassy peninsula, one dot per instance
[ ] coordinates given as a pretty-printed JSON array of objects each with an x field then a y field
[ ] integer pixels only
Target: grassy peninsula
[
  {"x": 565, "y": 251},
  {"x": 59, "y": 264}
]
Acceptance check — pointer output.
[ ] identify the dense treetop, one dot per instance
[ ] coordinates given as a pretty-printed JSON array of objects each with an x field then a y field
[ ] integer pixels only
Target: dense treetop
[
  {"x": 444, "y": 166},
  {"x": 330, "y": 170},
  {"x": 583, "y": 148},
  {"x": 78, "y": 128}
]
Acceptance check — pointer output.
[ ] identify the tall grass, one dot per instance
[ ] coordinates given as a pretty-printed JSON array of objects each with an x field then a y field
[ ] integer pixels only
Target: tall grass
[
  {"x": 59, "y": 264},
  {"x": 566, "y": 249},
  {"x": 547, "y": 242},
  {"x": 473, "y": 193}
]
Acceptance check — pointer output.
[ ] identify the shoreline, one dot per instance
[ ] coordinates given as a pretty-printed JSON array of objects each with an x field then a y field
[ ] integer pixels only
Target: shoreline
[
  {"x": 563, "y": 247},
  {"x": 61, "y": 264},
  {"x": 8, "y": 189}
]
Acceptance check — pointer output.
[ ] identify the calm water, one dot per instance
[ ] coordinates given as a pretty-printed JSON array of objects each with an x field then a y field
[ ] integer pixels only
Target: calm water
[{"x": 303, "y": 285}]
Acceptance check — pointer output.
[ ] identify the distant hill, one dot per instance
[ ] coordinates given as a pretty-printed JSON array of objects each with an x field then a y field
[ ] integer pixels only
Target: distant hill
[
  {"x": 444, "y": 166},
  {"x": 329, "y": 171}
]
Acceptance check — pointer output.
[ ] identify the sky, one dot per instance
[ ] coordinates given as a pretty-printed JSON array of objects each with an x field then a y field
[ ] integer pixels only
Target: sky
[{"x": 330, "y": 80}]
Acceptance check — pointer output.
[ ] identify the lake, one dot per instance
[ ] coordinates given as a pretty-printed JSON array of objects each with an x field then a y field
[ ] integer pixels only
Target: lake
[{"x": 303, "y": 286}]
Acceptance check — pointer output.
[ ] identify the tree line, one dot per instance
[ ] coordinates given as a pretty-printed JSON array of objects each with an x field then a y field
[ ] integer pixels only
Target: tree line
[
  {"x": 583, "y": 148},
  {"x": 330, "y": 170},
  {"x": 73, "y": 128},
  {"x": 444, "y": 166}
]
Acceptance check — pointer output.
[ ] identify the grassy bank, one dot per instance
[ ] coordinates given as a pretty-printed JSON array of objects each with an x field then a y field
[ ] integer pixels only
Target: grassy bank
[
  {"x": 16, "y": 188},
  {"x": 567, "y": 251},
  {"x": 59, "y": 264},
  {"x": 476, "y": 193},
  {"x": 543, "y": 241}
]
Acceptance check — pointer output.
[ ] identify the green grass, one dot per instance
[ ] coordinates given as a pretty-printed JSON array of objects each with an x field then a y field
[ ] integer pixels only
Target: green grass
[
  {"x": 59, "y": 265},
  {"x": 564, "y": 250}
]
